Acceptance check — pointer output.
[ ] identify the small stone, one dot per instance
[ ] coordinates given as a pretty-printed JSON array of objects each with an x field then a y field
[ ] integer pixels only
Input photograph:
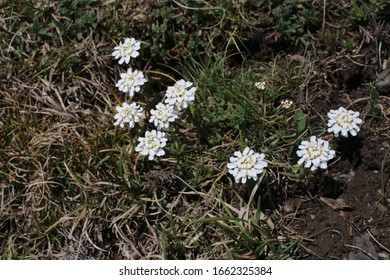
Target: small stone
[
  {"x": 357, "y": 256},
  {"x": 383, "y": 256},
  {"x": 385, "y": 64},
  {"x": 382, "y": 208},
  {"x": 312, "y": 217},
  {"x": 374, "y": 231},
  {"x": 382, "y": 82},
  {"x": 365, "y": 235},
  {"x": 288, "y": 209},
  {"x": 364, "y": 244}
]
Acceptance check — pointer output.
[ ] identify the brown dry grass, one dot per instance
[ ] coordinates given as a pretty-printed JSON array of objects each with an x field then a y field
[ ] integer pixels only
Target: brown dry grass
[
  {"x": 68, "y": 186},
  {"x": 71, "y": 186}
]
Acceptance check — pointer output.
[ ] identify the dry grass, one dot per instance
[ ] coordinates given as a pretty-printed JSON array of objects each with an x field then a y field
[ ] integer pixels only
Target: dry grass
[{"x": 71, "y": 186}]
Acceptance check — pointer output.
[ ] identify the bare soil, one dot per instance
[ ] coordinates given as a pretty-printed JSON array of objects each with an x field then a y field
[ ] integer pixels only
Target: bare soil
[
  {"x": 349, "y": 201},
  {"x": 352, "y": 197}
]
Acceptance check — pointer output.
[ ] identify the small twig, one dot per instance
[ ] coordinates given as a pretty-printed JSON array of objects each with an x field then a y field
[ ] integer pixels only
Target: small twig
[
  {"x": 357, "y": 63},
  {"x": 310, "y": 251},
  {"x": 339, "y": 233},
  {"x": 377, "y": 242},
  {"x": 196, "y": 9},
  {"x": 364, "y": 251},
  {"x": 162, "y": 74},
  {"x": 319, "y": 232},
  {"x": 367, "y": 98}
]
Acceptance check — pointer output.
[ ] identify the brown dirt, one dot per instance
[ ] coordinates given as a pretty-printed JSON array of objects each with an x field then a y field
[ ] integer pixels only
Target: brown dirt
[{"x": 358, "y": 179}]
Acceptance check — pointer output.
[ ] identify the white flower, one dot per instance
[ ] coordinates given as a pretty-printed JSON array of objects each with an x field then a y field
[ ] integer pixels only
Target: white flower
[
  {"x": 131, "y": 81},
  {"x": 286, "y": 104},
  {"x": 260, "y": 85},
  {"x": 128, "y": 113},
  {"x": 344, "y": 121},
  {"x": 163, "y": 115},
  {"x": 127, "y": 50},
  {"x": 315, "y": 153},
  {"x": 152, "y": 144},
  {"x": 246, "y": 165},
  {"x": 180, "y": 95}
]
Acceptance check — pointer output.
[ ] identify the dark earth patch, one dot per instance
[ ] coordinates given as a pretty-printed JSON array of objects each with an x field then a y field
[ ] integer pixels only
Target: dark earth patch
[{"x": 360, "y": 179}]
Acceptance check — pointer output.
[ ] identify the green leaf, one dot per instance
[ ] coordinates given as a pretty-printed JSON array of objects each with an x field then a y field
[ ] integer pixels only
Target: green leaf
[
  {"x": 295, "y": 168},
  {"x": 300, "y": 121},
  {"x": 216, "y": 31}
]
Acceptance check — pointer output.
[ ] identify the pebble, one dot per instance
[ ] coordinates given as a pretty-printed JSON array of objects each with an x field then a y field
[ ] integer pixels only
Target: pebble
[
  {"x": 383, "y": 256},
  {"x": 288, "y": 209},
  {"x": 374, "y": 231},
  {"x": 364, "y": 244},
  {"x": 382, "y": 82},
  {"x": 382, "y": 208}
]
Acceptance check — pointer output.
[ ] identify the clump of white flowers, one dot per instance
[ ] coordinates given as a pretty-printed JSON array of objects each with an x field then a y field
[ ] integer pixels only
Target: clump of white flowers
[
  {"x": 246, "y": 164},
  {"x": 260, "y": 85},
  {"x": 152, "y": 144},
  {"x": 131, "y": 81},
  {"x": 177, "y": 97},
  {"x": 180, "y": 95},
  {"x": 126, "y": 50},
  {"x": 344, "y": 121},
  {"x": 128, "y": 113},
  {"x": 315, "y": 153},
  {"x": 286, "y": 104},
  {"x": 163, "y": 115}
]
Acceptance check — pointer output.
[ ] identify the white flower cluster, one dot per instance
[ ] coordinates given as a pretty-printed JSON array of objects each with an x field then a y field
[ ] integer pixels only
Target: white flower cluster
[
  {"x": 286, "y": 104},
  {"x": 246, "y": 164},
  {"x": 131, "y": 81},
  {"x": 344, "y": 121},
  {"x": 260, "y": 85},
  {"x": 126, "y": 50},
  {"x": 315, "y": 153},
  {"x": 152, "y": 144},
  {"x": 128, "y": 113},
  {"x": 178, "y": 97},
  {"x": 163, "y": 115}
]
